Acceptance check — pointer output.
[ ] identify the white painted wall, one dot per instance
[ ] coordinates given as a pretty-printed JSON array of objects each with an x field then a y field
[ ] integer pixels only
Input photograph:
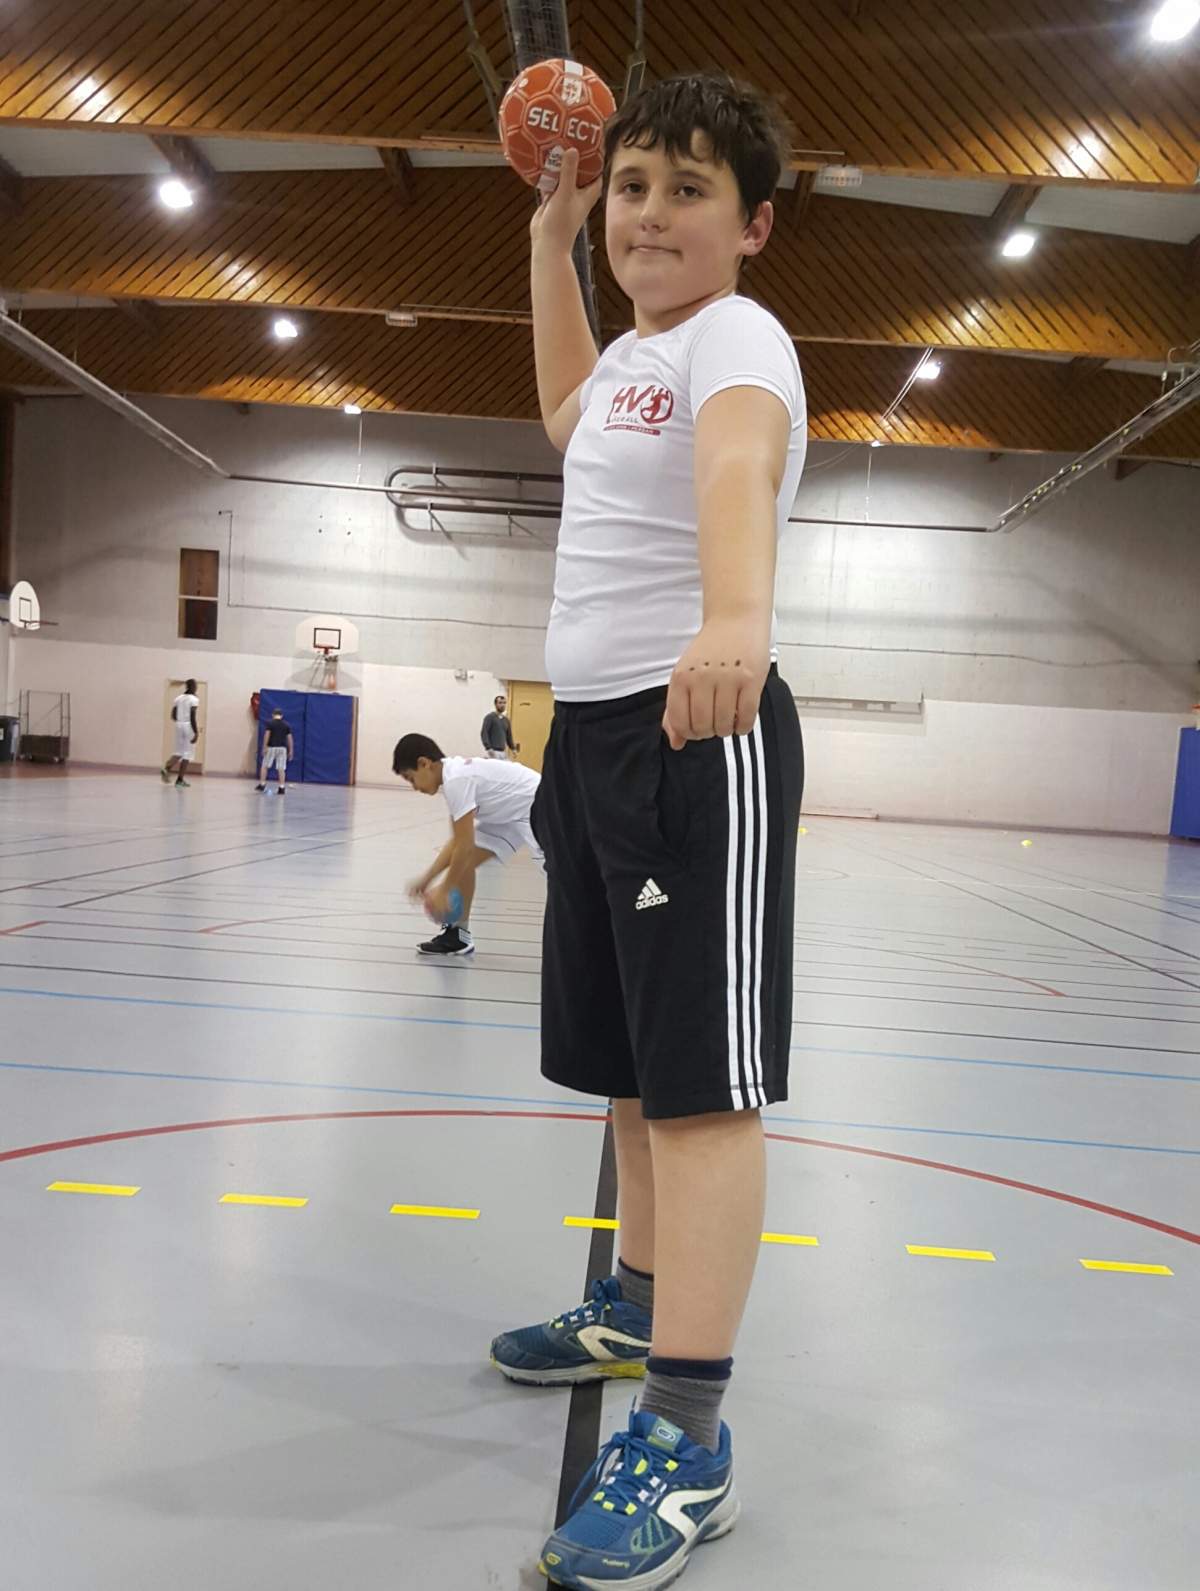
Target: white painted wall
[
  {"x": 1056, "y": 664},
  {"x": 117, "y": 702}
]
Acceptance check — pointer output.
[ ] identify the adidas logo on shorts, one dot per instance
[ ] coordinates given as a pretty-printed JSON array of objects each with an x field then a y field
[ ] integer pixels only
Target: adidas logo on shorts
[{"x": 650, "y": 895}]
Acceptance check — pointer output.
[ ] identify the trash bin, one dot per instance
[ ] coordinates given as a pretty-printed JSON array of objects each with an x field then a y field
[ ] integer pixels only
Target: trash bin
[{"x": 9, "y": 729}]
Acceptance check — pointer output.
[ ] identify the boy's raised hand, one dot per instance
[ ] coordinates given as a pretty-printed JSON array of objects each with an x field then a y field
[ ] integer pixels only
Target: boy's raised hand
[{"x": 558, "y": 218}]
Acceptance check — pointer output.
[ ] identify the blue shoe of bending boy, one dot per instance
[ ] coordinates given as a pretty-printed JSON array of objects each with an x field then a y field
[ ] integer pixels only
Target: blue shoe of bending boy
[
  {"x": 653, "y": 1496},
  {"x": 603, "y": 1338}
]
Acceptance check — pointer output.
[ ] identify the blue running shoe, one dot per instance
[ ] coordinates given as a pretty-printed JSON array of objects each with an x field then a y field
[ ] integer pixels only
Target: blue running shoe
[
  {"x": 603, "y": 1338},
  {"x": 653, "y": 1495}
]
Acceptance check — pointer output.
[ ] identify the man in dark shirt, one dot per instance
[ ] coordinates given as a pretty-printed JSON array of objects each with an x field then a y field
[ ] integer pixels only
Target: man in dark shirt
[
  {"x": 278, "y": 750},
  {"x": 496, "y": 733}
]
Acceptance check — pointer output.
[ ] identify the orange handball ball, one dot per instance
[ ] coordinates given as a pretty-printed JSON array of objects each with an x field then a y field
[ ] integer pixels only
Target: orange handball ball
[{"x": 554, "y": 106}]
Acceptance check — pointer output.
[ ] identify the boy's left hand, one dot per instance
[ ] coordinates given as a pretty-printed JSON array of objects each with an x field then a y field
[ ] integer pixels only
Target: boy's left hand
[{"x": 717, "y": 683}]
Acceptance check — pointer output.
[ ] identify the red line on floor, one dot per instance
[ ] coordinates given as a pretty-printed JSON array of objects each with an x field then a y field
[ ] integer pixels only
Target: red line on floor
[
  {"x": 1002, "y": 1182},
  {"x": 41, "y": 923},
  {"x": 567, "y": 1115}
]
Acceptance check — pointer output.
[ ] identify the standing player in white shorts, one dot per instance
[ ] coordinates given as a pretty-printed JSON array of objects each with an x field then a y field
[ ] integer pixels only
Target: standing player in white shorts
[
  {"x": 279, "y": 747},
  {"x": 489, "y": 804},
  {"x": 187, "y": 732}
]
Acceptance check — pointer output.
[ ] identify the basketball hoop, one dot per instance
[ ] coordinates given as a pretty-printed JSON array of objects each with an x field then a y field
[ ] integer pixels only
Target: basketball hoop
[{"x": 326, "y": 638}]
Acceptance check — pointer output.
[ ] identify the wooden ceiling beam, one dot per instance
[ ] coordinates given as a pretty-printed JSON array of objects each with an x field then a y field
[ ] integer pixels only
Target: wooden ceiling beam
[
  {"x": 399, "y": 167},
  {"x": 185, "y": 159},
  {"x": 981, "y": 403},
  {"x": 1015, "y": 204},
  {"x": 11, "y": 188},
  {"x": 144, "y": 314},
  {"x": 797, "y": 204},
  {"x": 902, "y": 94},
  {"x": 1091, "y": 295}
]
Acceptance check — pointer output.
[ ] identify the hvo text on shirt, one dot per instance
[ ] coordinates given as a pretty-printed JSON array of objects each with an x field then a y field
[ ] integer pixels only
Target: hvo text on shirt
[{"x": 635, "y": 408}]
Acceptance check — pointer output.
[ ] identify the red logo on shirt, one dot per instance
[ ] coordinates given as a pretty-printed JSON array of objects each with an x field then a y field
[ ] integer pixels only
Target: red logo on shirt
[{"x": 640, "y": 409}]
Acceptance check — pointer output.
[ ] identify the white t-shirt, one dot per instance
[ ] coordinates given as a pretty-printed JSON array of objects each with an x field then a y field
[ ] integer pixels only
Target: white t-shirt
[
  {"x": 628, "y": 598},
  {"x": 499, "y": 793},
  {"x": 181, "y": 708}
]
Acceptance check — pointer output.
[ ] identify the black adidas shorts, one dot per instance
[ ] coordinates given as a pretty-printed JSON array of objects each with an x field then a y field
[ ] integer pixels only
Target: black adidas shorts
[{"x": 667, "y": 947}]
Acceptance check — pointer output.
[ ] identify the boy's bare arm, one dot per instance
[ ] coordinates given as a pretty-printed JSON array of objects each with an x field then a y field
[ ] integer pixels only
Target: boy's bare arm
[
  {"x": 563, "y": 346},
  {"x": 741, "y": 445},
  {"x": 440, "y": 863}
]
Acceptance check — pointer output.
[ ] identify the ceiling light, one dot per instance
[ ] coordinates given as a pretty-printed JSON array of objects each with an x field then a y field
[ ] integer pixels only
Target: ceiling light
[
  {"x": 877, "y": 443},
  {"x": 1174, "y": 19},
  {"x": 175, "y": 195},
  {"x": 351, "y": 408},
  {"x": 1018, "y": 244},
  {"x": 285, "y": 329},
  {"x": 929, "y": 371}
]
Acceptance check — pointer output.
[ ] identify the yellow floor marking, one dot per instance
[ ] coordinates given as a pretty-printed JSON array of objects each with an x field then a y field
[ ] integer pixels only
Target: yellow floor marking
[
  {"x": 591, "y": 1221},
  {"x": 788, "y": 1237},
  {"x": 1118, "y": 1265},
  {"x": 444, "y": 1211},
  {"x": 262, "y": 1198},
  {"x": 951, "y": 1253},
  {"x": 92, "y": 1187}
]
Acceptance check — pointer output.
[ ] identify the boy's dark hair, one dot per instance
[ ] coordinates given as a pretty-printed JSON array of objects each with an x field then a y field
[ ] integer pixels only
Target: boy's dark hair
[
  {"x": 189, "y": 686},
  {"x": 411, "y": 748},
  {"x": 746, "y": 129}
]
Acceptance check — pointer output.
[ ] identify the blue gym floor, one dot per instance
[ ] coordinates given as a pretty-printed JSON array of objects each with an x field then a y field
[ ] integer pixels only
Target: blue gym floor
[{"x": 208, "y": 993}]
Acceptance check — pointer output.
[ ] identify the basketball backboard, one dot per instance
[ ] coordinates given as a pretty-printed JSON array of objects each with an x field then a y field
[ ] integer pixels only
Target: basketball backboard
[
  {"x": 21, "y": 607},
  {"x": 328, "y": 633}
]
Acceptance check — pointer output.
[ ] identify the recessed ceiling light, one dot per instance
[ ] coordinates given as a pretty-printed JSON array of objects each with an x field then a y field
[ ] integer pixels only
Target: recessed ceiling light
[
  {"x": 175, "y": 195},
  {"x": 877, "y": 443},
  {"x": 351, "y": 408},
  {"x": 1174, "y": 19},
  {"x": 1018, "y": 244},
  {"x": 285, "y": 329},
  {"x": 930, "y": 370}
]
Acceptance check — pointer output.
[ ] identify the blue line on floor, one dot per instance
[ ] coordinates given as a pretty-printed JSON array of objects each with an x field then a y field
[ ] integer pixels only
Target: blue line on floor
[
  {"x": 601, "y": 1106},
  {"x": 1020, "y": 1066},
  {"x": 273, "y": 1010},
  {"x": 533, "y": 1027},
  {"x": 954, "y": 1132}
]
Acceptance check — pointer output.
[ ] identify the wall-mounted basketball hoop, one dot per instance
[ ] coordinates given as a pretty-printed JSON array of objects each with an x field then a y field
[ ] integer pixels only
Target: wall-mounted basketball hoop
[
  {"x": 21, "y": 607},
  {"x": 328, "y": 638}
]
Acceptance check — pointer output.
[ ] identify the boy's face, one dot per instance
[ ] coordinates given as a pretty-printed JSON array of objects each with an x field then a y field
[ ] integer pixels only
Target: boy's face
[
  {"x": 425, "y": 777},
  {"x": 676, "y": 232}
]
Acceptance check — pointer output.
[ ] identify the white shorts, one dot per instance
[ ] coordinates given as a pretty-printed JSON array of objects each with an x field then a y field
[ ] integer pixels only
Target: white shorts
[
  {"x": 493, "y": 753},
  {"x": 184, "y": 746},
  {"x": 505, "y": 840},
  {"x": 275, "y": 757}
]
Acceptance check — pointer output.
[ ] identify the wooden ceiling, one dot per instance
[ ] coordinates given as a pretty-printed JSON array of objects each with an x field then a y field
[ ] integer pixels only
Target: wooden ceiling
[{"x": 1023, "y": 94}]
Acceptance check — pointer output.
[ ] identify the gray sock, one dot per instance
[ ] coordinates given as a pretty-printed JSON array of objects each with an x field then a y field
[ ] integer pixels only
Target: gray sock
[
  {"x": 691, "y": 1402},
  {"x": 636, "y": 1287}
]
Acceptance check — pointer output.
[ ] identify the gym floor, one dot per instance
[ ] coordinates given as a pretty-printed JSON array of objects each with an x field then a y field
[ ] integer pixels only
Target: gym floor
[{"x": 970, "y": 1363}]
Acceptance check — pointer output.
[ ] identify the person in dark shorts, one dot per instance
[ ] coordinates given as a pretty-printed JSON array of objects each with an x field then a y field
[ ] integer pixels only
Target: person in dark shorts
[
  {"x": 278, "y": 749},
  {"x": 670, "y": 795}
]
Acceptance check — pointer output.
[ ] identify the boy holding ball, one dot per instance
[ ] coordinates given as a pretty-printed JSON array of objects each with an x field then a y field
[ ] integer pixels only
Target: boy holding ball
[{"x": 670, "y": 793}]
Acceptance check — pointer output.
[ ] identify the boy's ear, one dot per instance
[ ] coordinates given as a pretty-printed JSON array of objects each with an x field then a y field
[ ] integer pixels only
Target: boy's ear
[{"x": 758, "y": 230}]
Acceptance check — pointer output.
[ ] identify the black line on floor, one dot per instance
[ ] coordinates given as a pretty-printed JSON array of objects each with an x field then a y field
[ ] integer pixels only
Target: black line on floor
[{"x": 582, "y": 1440}]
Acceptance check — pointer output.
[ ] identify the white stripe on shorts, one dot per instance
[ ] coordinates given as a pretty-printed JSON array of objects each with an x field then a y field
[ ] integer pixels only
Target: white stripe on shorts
[{"x": 745, "y": 892}]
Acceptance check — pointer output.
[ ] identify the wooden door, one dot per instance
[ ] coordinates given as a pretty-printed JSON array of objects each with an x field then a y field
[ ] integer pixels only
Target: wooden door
[{"x": 530, "y": 707}]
